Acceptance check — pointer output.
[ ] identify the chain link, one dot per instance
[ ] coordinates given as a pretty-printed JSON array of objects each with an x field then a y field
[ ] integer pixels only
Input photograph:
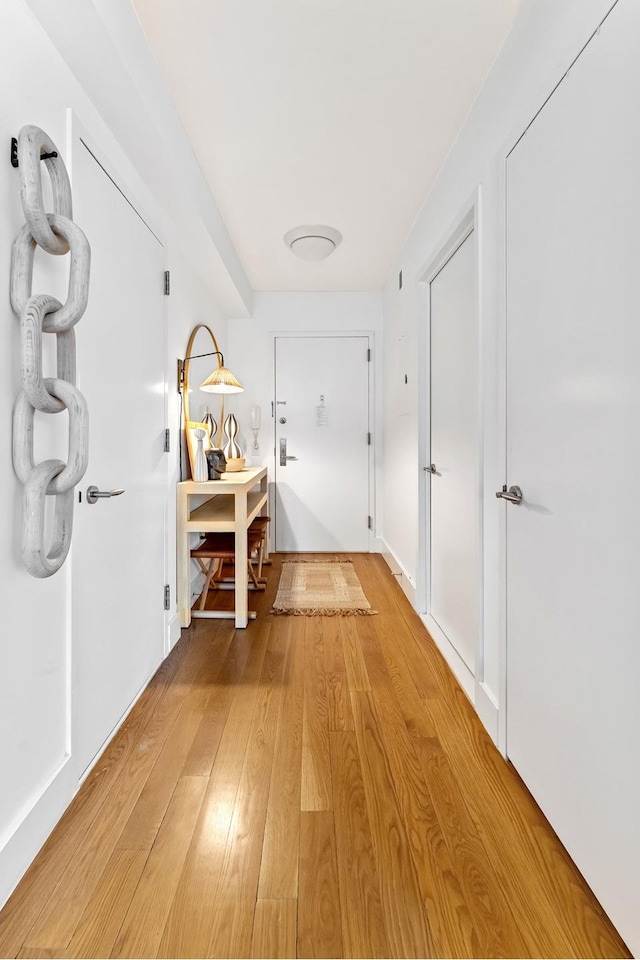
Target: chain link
[{"x": 57, "y": 234}]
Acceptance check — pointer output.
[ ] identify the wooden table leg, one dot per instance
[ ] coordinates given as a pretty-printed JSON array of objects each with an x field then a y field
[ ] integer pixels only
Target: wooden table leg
[
  {"x": 241, "y": 568},
  {"x": 264, "y": 486},
  {"x": 183, "y": 560}
]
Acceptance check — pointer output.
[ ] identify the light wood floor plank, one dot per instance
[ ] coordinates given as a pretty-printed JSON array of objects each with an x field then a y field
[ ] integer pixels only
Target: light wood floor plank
[
  {"x": 447, "y": 910},
  {"x": 59, "y": 918},
  {"x": 316, "y": 759},
  {"x": 496, "y": 934},
  {"x": 357, "y": 675},
  {"x": 144, "y": 822},
  {"x": 188, "y": 929},
  {"x": 339, "y": 712},
  {"x": 383, "y": 653},
  {"x": 235, "y": 906},
  {"x": 363, "y": 929},
  {"x": 99, "y": 925},
  {"x": 274, "y": 928},
  {"x": 523, "y": 849},
  {"x": 142, "y": 928},
  {"x": 279, "y": 864},
  {"x": 402, "y": 905},
  {"x": 42, "y": 953},
  {"x": 319, "y": 917}
]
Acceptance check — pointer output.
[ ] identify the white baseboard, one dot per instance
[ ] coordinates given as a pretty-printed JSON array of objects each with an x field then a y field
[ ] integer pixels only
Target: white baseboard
[
  {"x": 460, "y": 670},
  {"x": 487, "y": 708},
  {"x": 173, "y": 632},
  {"x": 482, "y": 699},
  {"x": 25, "y": 838},
  {"x": 406, "y": 582}
]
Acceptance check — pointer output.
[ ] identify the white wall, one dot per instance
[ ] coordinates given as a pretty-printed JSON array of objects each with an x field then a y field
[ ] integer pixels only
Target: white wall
[
  {"x": 36, "y": 613},
  {"x": 547, "y": 36},
  {"x": 250, "y": 354},
  {"x": 190, "y": 304}
]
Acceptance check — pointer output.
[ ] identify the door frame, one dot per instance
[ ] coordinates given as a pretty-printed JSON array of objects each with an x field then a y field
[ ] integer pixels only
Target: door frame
[
  {"x": 369, "y": 335},
  {"x": 467, "y": 221}
]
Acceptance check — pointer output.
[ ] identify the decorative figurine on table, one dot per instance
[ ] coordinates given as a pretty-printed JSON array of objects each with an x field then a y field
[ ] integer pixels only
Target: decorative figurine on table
[
  {"x": 200, "y": 469},
  {"x": 217, "y": 463}
]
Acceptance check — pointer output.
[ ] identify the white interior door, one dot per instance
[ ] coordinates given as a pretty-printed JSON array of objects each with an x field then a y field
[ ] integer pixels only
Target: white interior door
[
  {"x": 322, "y": 417},
  {"x": 455, "y": 521},
  {"x": 118, "y": 543},
  {"x": 573, "y": 545}
]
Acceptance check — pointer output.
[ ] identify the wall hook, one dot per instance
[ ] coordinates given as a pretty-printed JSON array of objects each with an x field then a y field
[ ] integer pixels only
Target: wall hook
[{"x": 14, "y": 153}]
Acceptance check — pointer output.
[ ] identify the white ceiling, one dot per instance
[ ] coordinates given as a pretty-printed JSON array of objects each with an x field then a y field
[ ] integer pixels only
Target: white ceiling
[{"x": 336, "y": 112}]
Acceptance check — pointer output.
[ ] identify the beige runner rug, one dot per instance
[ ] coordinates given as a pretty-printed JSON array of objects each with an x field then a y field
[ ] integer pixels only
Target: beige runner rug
[{"x": 320, "y": 588}]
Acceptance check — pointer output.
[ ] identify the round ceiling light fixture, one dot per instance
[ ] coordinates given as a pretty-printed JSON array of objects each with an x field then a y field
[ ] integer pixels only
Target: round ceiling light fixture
[{"x": 312, "y": 242}]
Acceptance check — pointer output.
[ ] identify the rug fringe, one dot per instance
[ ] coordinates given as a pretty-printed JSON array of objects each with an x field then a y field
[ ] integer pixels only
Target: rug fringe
[
  {"x": 329, "y": 560},
  {"x": 324, "y": 612}
]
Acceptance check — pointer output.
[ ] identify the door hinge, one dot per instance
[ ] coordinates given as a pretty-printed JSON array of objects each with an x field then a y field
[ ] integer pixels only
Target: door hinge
[
  {"x": 368, "y": 439},
  {"x": 167, "y": 597},
  {"x": 167, "y": 283},
  {"x": 167, "y": 440},
  {"x": 369, "y": 355},
  {"x": 370, "y": 523}
]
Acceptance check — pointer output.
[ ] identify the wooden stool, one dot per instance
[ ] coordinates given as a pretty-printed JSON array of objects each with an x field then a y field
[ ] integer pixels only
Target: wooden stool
[
  {"x": 220, "y": 547},
  {"x": 260, "y": 527}
]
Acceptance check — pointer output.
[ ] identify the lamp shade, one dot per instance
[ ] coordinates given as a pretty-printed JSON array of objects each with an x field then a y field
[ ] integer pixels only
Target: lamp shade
[{"x": 221, "y": 381}]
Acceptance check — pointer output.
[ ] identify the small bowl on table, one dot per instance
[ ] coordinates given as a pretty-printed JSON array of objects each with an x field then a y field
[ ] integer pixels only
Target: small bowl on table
[{"x": 235, "y": 464}]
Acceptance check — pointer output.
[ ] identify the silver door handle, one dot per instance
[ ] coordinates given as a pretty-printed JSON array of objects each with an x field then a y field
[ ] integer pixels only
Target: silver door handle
[
  {"x": 513, "y": 494},
  {"x": 431, "y": 468},
  {"x": 283, "y": 453},
  {"x": 93, "y": 494}
]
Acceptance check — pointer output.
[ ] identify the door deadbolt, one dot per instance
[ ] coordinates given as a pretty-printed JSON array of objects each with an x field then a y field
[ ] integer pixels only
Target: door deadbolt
[{"x": 282, "y": 420}]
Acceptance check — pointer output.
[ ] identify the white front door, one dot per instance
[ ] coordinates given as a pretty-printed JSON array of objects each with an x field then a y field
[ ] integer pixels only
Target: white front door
[
  {"x": 455, "y": 521},
  {"x": 573, "y": 417},
  {"x": 118, "y": 543},
  {"x": 322, "y": 451}
]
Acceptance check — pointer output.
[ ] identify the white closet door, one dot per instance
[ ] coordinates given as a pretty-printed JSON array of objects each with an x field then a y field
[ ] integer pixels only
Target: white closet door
[
  {"x": 118, "y": 543},
  {"x": 455, "y": 525},
  {"x": 573, "y": 421}
]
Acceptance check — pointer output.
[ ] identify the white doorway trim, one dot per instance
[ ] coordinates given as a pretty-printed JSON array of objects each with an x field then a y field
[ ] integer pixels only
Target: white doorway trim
[
  {"x": 330, "y": 334},
  {"x": 467, "y": 221}
]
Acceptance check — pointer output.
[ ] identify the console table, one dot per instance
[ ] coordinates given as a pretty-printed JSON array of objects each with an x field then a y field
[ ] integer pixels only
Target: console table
[{"x": 231, "y": 505}]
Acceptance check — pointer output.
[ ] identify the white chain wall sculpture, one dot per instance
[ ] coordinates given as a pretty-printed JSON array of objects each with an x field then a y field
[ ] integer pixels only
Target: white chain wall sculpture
[{"x": 40, "y": 313}]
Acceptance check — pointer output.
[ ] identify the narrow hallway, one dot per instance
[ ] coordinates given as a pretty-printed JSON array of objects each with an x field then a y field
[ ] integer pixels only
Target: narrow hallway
[{"x": 309, "y": 786}]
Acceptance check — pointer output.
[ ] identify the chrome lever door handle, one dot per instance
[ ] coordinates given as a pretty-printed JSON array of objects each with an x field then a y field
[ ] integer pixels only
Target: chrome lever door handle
[
  {"x": 93, "y": 494},
  {"x": 431, "y": 468},
  {"x": 513, "y": 494}
]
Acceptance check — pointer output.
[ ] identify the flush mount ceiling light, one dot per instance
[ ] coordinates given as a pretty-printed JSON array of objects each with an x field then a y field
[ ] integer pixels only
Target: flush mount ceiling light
[{"x": 312, "y": 242}]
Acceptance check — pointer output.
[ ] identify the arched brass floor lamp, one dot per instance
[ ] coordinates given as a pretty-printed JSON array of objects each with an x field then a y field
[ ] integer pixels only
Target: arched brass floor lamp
[{"x": 221, "y": 381}]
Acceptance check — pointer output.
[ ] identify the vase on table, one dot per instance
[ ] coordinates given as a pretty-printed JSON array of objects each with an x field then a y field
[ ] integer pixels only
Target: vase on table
[
  {"x": 200, "y": 467},
  {"x": 231, "y": 448},
  {"x": 211, "y": 423}
]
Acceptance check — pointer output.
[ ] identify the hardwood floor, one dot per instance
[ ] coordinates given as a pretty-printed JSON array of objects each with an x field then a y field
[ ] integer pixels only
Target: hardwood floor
[{"x": 313, "y": 787}]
